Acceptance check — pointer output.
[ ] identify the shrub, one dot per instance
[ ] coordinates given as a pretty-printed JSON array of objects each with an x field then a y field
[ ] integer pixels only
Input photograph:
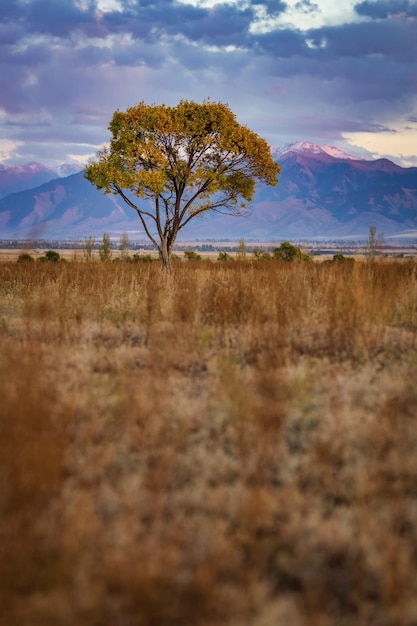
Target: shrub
[
  {"x": 287, "y": 252},
  {"x": 223, "y": 256},
  {"x": 25, "y": 258},
  {"x": 260, "y": 254},
  {"x": 140, "y": 258},
  {"x": 340, "y": 258},
  {"x": 104, "y": 249},
  {"x": 192, "y": 256},
  {"x": 51, "y": 256}
]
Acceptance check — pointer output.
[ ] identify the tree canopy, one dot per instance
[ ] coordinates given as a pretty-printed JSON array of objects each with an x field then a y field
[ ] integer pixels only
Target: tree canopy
[{"x": 185, "y": 160}]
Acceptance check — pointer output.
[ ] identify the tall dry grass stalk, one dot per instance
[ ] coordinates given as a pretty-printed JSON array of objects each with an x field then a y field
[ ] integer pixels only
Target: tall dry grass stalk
[{"x": 233, "y": 446}]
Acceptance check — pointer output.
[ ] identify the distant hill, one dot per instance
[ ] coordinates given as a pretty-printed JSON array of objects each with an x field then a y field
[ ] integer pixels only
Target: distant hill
[{"x": 322, "y": 193}]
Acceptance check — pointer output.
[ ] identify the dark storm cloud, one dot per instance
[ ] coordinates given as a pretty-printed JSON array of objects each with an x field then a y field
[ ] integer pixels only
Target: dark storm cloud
[
  {"x": 58, "y": 18},
  {"x": 273, "y": 7},
  {"x": 224, "y": 24},
  {"x": 221, "y": 25},
  {"x": 153, "y": 28},
  {"x": 386, "y": 8},
  {"x": 363, "y": 53},
  {"x": 150, "y": 20},
  {"x": 282, "y": 44},
  {"x": 373, "y": 59}
]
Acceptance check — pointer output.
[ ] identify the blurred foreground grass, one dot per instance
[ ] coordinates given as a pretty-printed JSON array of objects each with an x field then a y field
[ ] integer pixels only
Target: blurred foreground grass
[{"x": 233, "y": 446}]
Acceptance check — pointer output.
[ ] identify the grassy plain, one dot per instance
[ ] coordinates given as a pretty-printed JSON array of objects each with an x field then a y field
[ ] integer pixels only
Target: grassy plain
[{"x": 235, "y": 446}]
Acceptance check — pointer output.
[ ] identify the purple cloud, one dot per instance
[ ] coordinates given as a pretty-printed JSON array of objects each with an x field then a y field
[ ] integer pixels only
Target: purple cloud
[{"x": 66, "y": 66}]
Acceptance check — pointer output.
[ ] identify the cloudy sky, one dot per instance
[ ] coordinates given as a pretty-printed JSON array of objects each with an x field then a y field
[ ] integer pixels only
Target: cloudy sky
[{"x": 338, "y": 72}]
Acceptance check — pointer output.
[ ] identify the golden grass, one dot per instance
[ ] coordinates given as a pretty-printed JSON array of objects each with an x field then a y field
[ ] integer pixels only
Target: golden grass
[{"x": 235, "y": 446}]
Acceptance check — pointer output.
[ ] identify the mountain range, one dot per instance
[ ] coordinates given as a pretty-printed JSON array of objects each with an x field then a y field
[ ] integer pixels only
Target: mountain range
[
  {"x": 29, "y": 175},
  {"x": 323, "y": 193}
]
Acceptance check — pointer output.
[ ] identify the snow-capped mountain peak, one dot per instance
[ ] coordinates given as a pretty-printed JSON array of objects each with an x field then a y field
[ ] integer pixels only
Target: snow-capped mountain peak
[
  {"x": 22, "y": 176},
  {"x": 34, "y": 168},
  {"x": 338, "y": 154},
  {"x": 67, "y": 169},
  {"x": 312, "y": 148}
]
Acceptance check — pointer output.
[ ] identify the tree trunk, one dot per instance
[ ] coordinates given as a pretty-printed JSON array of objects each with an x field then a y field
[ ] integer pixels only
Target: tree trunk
[{"x": 166, "y": 257}]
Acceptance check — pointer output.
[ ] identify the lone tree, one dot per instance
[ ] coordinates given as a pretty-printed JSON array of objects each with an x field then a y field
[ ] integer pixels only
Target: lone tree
[{"x": 184, "y": 160}]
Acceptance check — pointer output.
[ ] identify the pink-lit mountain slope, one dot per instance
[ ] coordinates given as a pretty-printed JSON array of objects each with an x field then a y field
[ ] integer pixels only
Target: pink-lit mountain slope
[
  {"x": 322, "y": 193},
  {"x": 312, "y": 149}
]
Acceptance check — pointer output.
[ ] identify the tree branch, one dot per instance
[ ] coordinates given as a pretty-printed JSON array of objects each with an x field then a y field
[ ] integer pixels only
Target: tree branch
[
  {"x": 140, "y": 213},
  {"x": 211, "y": 207}
]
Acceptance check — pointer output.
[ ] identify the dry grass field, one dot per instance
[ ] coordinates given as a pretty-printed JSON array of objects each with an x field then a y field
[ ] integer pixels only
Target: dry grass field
[{"x": 234, "y": 446}]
